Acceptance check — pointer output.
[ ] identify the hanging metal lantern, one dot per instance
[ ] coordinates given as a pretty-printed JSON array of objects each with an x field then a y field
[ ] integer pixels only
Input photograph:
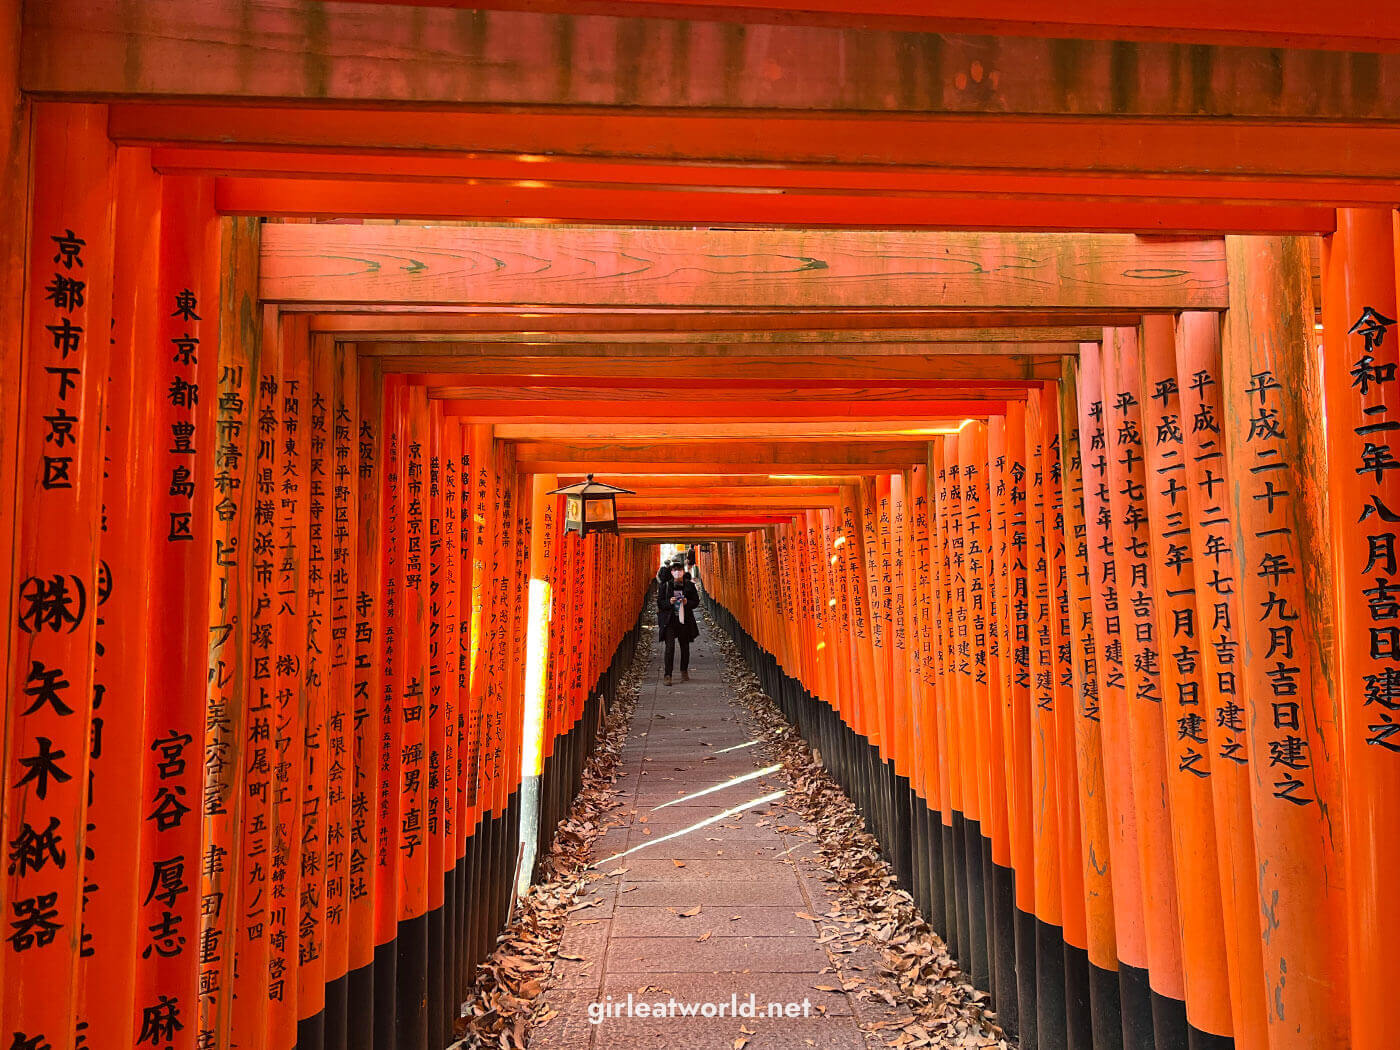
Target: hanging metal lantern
[{"x": 590, "y": 506}]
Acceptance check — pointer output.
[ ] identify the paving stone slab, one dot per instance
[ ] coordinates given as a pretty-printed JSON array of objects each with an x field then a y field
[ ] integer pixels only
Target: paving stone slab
[
  {"x": 707, "y": 869},
  {"x": 754, "y": 954},
  {"x": 736, "y": 921},
  {"x": 831, "y": 1033},
  {"x": 773, "y": 892}
]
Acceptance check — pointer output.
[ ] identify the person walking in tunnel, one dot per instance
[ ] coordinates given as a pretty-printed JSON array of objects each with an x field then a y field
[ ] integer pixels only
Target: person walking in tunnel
[{"x": 676, "y": 603}]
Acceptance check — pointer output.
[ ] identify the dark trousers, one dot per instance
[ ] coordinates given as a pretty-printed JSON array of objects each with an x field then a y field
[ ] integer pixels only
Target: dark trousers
[{"x": 677, "y": 632}]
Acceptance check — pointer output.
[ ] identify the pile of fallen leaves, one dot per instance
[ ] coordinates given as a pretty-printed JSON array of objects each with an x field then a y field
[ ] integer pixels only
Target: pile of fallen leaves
[
  {"x": 918, "y": 974},
  {"x": 506, "y": 999}
]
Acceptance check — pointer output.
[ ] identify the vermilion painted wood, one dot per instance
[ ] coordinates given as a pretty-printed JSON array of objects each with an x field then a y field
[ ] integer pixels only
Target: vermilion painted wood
[
  {"x": 438, "y": 721},
  {"x": 921, "y": 605},
  {"x": 1017, "y": 712},
  {"x": 329, "y": 263},
  {"x": 994, "y": 588},
  {"x": 710, "y": 386},
  {"x": 1219, "y": 611},
  {"x": 57, "y": 556},
  {"x": 450, "y": 650},
  {"x": 231, "y": 613},
  {"x": 491, "y": 202},
  {"x": 516, "y": 653},
  {"x": 903, "y": 621},
  {"x": 274, "y": 168},
  {"x": 1071, "y": 874},
  {"x": 855, "y": 457},
  {"x": 290, "y": 701},
  {"x": 741, "y": 484},
  {"x": 15, "y": 176},
  {"x": 1328, "y": 155},
  {"x": 387, "y": 853},
  {"x": 1291, "y": 25},
  {"x": 734, "y": 498},
  {"x": 546, "y": 330},
  {"x": 961, "y": 361},
  {"x": 1086, "y": 761},
  {"x": 852, "y": 553},
  {"x": 945, "y": 692},
  {"x": 677, "y": 360},
  {"x": 342, "y": 720},
  {"x": 840, "y": 629},
  {"x": 122, "y": 643},
  {"x": 413, "y": 697},
  {"x": 1267, "y": 331},
  {"x": 559, "y": 411},
  {"x": 511, "y": 60},
  {"x": 972, "y": 470},
  {"x": 252, "y": 942},
  {"x": 879, "y": 640},
  {"x": 1109, "y": 606},
  {"x": 1359, "y": 275},
  {"x": 1190, "y": 765},
  {"x": 477, "y": 441},
  {"x": 187, "y": 306},
  {"x": 313, "y": 803},
  {"x": 1039, "y": 605},
  {"x": 368, "y": 412},
  {"x": 1123, "y": 431}
]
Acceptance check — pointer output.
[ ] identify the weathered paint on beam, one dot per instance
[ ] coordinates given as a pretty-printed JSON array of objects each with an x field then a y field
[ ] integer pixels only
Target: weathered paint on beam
[
  {"x": 850, "y": 457},
  {"x": 713, "y": 411},
  {"x": 700, "y": 391},
  {"x": 316, "y": 263},
  {"x": 693, "y": 431},
  {"x": 1097, "y": 146},
  {"x": 853, "y": 368},
  {"x": 493, "y": 171},
  {"x": 642, "y": 481},
  {"x": 310, "y": 49},
  {"x": 557, "y": 331},
  {"x": 415, "y": 200},
  {"x": 1365, "y": 26}
]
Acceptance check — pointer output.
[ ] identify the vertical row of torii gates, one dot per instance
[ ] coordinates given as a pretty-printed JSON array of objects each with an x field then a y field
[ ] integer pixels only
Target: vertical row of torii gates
[{"x": 1031, "y": 381}]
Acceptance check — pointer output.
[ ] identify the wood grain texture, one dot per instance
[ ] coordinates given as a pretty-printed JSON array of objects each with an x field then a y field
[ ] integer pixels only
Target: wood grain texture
[
  {"x": 1364, "y": 26},
  {"x": 689, "y": 431},
  {"x": 642, "y": 481},
  {"x": 496, "y": 201},
  {"x": 761, "y": 269},
  {"x": 14, "y": 228},
  {"x": 538, "y": 345},
  {"x": 849, "y": 456},
  {"x": 960, "y": 144},
  {"x": 884, "y": 331},
  {"x": 309, "y": 49},
  {"x": 725, "y": 412},
  {"x": 852, "y": 368},
  {"x": 691, "y": 398},
  {"x": 500, "y": 176}
]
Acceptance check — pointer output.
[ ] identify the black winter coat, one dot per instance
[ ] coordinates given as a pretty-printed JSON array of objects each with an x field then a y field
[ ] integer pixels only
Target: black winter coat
[{"x": 665, "y": 610}]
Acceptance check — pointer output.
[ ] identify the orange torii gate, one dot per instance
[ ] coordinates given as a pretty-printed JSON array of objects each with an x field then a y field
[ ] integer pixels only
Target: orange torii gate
[{"x": 1044, "y": 539}]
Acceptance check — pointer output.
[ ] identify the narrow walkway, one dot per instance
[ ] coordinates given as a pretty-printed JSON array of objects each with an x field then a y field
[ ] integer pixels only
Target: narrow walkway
[{"x": 707, "y": 893}]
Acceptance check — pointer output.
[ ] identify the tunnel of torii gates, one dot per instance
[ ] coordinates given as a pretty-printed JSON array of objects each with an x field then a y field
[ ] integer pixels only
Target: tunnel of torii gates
[{"x": 1033, "y": 411}]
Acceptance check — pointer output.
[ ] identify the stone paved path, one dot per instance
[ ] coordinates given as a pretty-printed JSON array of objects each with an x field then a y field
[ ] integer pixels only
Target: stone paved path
[{"x": 687, "y": 761}]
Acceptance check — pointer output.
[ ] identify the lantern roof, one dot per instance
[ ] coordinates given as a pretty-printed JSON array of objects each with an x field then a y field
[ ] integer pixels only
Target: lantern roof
[{"x": 591, "y": 488}]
